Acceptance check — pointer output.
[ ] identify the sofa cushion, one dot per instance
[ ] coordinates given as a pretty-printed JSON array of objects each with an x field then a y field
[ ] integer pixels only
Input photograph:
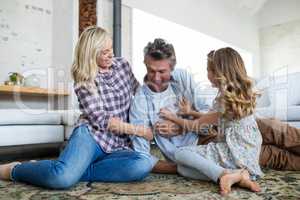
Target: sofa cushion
[
  {"x": 277, "y": 89},
  {"x": 205, "y": 97},
  {"x": 288, "y": 86},
  {"x": 68, "y": 132},
  {"x": 267, "y": 112},
  {"x": 263, "y": 87},
  {"x": 291, "y": 113},
  {"x": 263, "y": 99},
  {"x": 295, "y": 124},
  {"x": 69, "y": 117},
  {"x": 28, "y": 116},
  {"x": 293, "y": 89},
  {"x": 30, "y": 134}
]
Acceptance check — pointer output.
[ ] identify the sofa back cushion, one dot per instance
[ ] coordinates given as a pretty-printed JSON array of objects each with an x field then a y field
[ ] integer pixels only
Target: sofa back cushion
[
  {"x": 263, "y": 87},
  {"x": 29, "y": 117},
  {"x": 293, "y": 89}
]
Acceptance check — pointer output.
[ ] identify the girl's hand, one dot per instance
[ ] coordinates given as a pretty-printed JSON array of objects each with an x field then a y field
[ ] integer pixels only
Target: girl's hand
[
  {"x": 185, "y": 107},
  {"x": 167, "y": 114}
]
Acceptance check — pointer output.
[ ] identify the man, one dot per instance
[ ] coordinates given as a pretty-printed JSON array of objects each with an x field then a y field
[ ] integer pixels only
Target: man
[{"x": 164, "y": 86}]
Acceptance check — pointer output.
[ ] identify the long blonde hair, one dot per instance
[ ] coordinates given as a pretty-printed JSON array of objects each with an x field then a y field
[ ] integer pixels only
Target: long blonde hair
[
  {"x": 84, "y": 68},
  {"x": 237, "y": 98}
]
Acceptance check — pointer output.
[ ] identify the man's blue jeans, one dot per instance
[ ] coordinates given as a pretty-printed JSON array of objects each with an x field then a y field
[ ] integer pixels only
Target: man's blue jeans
[{"x": 84, "y": 160}]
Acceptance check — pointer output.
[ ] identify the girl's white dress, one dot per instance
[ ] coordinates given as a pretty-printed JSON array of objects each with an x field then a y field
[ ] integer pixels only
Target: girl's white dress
[{"x": 239, "y": 148}]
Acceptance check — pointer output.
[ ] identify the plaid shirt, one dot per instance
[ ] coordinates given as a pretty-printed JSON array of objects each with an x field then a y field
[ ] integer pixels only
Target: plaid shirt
[{"x": 115, "y": 90}]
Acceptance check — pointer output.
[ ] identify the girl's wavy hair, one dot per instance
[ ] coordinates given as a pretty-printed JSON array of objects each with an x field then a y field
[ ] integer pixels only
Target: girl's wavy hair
[{"x": 237, "y": 97}]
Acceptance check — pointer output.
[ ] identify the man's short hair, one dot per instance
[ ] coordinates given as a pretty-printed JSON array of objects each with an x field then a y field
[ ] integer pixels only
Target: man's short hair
[{"x": 159, "y": 49}]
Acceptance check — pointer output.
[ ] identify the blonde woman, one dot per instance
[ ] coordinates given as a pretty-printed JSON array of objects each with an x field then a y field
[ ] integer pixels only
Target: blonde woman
[
  {"x": 235, "y": 158},
  {"x": 99, "y": 148}
]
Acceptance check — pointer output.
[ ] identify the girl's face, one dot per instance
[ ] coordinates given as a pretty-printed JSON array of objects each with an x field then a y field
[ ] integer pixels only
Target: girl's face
[
  {"x": 104, "y": 58},
  {"x": 211, "y": 77}
]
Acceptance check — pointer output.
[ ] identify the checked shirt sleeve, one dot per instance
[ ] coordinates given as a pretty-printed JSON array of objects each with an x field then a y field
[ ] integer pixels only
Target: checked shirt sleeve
[
  {"x": 92, "y": 106},
  {"x": 134, "y": 84}
]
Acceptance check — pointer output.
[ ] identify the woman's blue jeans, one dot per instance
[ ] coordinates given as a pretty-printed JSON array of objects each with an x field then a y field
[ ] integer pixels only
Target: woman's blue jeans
[{"x": 84, "y": 160}]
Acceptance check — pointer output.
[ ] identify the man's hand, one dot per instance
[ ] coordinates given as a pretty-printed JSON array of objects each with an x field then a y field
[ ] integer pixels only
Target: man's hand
[{"x": 167, "y": 128}]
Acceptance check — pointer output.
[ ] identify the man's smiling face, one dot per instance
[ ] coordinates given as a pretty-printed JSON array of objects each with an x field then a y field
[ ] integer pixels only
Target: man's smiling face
[{"x": 158, "y": 74}]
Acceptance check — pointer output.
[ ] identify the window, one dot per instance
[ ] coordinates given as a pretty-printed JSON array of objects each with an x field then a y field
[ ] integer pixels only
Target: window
[{"x": 191, "y": 47}]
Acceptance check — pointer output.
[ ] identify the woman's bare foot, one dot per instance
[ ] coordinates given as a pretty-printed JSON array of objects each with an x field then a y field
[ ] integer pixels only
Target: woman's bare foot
[
  {"x": 228, "y": 179},
  {"x": 5, "y": 170},
  {"x": 247, "y": 183}
]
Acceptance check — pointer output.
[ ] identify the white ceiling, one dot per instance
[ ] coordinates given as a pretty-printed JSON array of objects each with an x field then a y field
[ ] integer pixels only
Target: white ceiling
[{"x": 252, "y": 6}]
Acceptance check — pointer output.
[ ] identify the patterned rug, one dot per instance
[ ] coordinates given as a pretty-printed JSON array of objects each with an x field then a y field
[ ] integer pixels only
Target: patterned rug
[{"x": 275, "y": 185}]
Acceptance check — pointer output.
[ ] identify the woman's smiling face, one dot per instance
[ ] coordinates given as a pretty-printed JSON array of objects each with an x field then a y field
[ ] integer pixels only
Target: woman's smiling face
[{"x": 104, "y": 59}]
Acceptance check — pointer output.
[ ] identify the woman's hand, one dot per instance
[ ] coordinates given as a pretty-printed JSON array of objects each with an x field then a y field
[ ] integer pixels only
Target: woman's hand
[
  {"x": 167, "y": 114},
  {"x": 185, "y": 107},
  {"x": 117, "y": 126},
  {"x": 144, "y": 132},
  {"x": 167, "y": 128}
]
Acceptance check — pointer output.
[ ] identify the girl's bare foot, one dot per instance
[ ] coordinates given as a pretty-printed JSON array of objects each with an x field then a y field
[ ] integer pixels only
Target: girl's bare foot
[
  {"x": 228, "y": 179},
  {"x": 241, "y": 177},
  {"x": 247, "y": 183},
  {"x": 5, "y": 170}
]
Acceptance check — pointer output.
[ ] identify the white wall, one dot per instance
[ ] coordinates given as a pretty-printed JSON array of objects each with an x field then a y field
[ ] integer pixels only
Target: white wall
[
  {"x": 105, "y": 20},
  {"x": 280, "y": 47},
  {"x": 279, "y": 23},
  {"x": 278, "y": 12},
  {"x": 220, "y": 19},
  {"x": 40, "y": 38},
  {"x": 25, "y": 36},
  {"x": 25, "y": 46},
  {"x": 191, "y": 52},
  {"x": 65, "y": 36}
]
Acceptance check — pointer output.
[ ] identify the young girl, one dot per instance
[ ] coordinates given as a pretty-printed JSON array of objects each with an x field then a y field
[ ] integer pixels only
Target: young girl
[
  {"x": 99, "y": 148},
  {"x": 238, "y": 149}
]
